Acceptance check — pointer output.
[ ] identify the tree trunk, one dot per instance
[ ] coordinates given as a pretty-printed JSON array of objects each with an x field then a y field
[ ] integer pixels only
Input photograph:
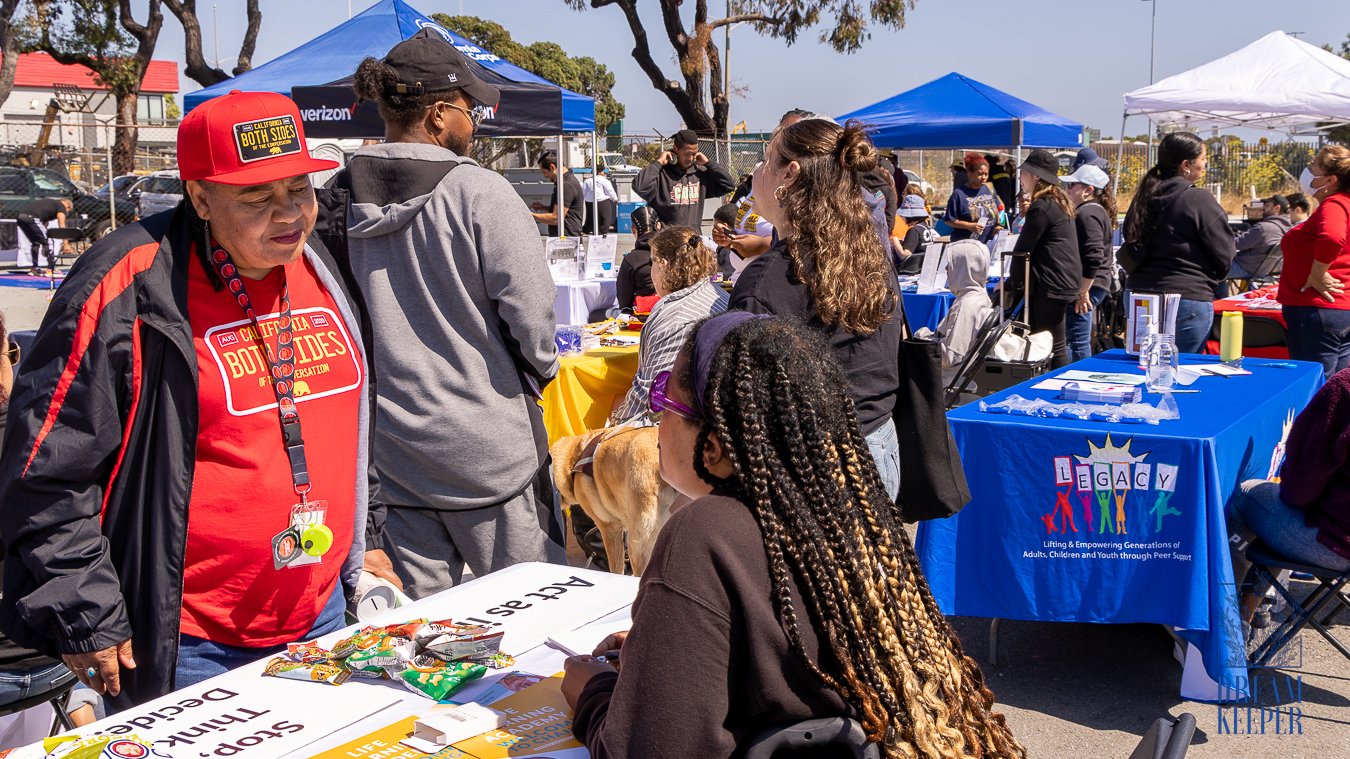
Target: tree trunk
[
  {"x": 124, "y": 141},
  {"x": 196, "y": 68},
  {"x": 9, "y": 47}
]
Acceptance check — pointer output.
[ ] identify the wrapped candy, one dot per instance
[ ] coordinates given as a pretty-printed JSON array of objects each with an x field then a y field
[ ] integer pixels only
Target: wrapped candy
[
  {"x": 319, "y": 672},
  {"x": 437, "y": 679}
]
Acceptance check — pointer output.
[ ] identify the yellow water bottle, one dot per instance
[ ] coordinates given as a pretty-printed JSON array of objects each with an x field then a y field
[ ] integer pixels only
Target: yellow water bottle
[{"x": 1230, "y": 338}]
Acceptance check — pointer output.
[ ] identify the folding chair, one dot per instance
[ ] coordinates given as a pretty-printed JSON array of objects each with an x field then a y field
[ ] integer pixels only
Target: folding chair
[
  {"x": 993, "y": 329},
  {"x": 814, "y": 734},
  {"x": 1266, "y": 272},
  {"x": 1329, "y": 596},
  {"x": 1167, "y": 738},
  {"x": 58, "y": 695}
]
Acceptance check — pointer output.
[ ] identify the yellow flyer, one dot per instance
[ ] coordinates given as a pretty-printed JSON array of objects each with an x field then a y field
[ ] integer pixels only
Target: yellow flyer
[
  {"x": 538, "y": 724},
  {"x": 384, "y": 744}
]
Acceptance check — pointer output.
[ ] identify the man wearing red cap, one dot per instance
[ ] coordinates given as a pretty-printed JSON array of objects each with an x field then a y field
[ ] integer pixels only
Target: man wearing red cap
[{"x": 167, "y": 514}]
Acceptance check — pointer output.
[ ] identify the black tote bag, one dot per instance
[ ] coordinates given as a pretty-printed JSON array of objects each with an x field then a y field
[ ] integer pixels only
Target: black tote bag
[{"x": 932, "y": 480}]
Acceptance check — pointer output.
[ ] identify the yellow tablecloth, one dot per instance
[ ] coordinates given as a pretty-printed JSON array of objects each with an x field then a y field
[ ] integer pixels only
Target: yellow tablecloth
[{"x": 583, "y": 394}]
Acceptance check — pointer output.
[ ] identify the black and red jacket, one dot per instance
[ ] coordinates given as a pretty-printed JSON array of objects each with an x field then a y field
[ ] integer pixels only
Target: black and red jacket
[{"x": 97, "y": 464}]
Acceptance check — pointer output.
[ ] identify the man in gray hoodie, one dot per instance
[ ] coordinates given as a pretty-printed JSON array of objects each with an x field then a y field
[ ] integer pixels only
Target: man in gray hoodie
[{"x": 452, "y": 270}]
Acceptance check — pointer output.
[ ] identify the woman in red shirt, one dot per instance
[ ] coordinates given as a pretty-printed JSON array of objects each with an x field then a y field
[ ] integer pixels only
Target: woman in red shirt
[{"x": 1317, "y": 266}]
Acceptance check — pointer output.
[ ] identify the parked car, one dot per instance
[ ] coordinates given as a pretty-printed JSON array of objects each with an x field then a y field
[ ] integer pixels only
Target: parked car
[
  {"x": 20, "y": 186},
  {"x": 615, "y": 164},
  {"x": 121, "y": 186},
  {"x": 157, "y": 192},
  {"x": 920, "y": 182}
]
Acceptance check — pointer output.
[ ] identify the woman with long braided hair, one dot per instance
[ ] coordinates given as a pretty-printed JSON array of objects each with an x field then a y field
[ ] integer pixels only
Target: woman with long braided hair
[{"x": 788, "y": 589}]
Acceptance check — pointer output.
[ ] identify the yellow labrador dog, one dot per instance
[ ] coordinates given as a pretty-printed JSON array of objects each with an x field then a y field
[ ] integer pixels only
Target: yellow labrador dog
[{"x": 623, "y": 493}]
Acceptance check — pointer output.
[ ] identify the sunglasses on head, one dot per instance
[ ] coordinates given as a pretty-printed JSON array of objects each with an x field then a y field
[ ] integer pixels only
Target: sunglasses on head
[{"x": 659, "y": 401}]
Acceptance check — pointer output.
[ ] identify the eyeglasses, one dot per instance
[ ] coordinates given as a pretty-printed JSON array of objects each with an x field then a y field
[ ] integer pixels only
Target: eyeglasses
[
  {"x": 12, "y": 352},
  {"x": 659, "y": 401},
  {"x": 476, "y": 115}
]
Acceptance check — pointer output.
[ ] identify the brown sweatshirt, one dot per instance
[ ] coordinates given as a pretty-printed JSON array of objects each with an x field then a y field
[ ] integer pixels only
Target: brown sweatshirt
[{"x": 707, "y": 664}]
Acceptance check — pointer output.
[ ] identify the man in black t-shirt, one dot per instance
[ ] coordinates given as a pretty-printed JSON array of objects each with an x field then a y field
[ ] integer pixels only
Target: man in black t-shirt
[
  {"x": 572, "y": 203},
  {"x": 33, "y": 220}
]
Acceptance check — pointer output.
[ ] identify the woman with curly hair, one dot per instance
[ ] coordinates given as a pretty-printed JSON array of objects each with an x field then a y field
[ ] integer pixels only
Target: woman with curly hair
[
  {"x": 788, "y": 589},
  {"x": 828, "y": 269},
  {"x": 682, "y": 270}
]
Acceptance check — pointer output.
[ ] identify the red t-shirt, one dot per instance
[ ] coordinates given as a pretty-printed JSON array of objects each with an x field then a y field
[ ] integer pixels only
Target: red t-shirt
[
  {"x": 1325, "y": 237},
  {"x": 242, "y": 491}
]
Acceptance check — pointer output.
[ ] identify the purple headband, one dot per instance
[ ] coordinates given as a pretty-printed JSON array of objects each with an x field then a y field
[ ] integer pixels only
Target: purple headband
[{"x": 706, "y": 341}]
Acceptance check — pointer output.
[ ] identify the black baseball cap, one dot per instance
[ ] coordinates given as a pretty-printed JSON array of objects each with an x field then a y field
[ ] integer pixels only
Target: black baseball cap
[
  {"x": 1278, "y": 200},
  {"x": 426, "y": 62}
]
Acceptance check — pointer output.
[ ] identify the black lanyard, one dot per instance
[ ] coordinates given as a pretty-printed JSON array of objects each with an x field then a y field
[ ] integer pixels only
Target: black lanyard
[{"x": 282, "y": 363}]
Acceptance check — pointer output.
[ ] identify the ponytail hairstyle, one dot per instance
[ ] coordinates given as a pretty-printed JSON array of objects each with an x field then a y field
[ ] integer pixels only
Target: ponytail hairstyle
[
  {"x": 1335, "y": 162},
  {"x": 776, "y": 399},
  {"x": 1107, "y": 199},
  {"x": 687, "y": 260},
  {"x": 834, "y": 246},
  {"x": 375, "y": 80},
  {"x": 645, "y": 220},
  {"x": 1174, "y": 148}
]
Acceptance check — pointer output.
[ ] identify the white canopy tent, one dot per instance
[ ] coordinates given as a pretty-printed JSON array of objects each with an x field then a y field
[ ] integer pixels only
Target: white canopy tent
[{"x": 1277, "y": 83}]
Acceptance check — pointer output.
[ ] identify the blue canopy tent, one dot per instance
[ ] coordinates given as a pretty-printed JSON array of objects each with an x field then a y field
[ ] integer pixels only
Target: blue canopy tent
[
  {"x": 956, "y": 111},
  {"x": 318, "y": 75}
]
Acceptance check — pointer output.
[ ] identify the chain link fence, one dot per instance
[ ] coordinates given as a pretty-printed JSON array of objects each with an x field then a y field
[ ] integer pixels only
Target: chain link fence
[
  {"x": 79, "y": 151},
  {"x": 1237, "y": 170}
]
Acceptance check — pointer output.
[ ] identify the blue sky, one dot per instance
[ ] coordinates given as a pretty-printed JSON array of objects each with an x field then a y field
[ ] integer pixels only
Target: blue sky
[{"x": 1074, "y": 57}]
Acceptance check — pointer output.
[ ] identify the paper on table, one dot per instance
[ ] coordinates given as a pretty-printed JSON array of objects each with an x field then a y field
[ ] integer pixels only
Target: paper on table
[
  {"x": 583, "y": 640},
  {"x": 1114, "y": 378}
]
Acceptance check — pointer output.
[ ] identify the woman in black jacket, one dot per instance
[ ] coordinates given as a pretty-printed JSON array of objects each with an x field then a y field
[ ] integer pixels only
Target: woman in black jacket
[
  {"x": 1048, "y": 236},
  {"x": 1089, "y": 189},
  {"x": 828, "y": 270},
  {"x": 1177, "y": 238},
  {"x": 635, "y": 273}
]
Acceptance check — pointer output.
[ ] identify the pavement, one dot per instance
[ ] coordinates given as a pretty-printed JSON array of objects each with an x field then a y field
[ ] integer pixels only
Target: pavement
[{"x": 1090, "y": 691}]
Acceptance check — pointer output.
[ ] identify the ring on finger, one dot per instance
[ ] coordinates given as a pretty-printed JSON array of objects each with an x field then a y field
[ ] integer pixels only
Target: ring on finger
[{"x": 90, "y": 672}]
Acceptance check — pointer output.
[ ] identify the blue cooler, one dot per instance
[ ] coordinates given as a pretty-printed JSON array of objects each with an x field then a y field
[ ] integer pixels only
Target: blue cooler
[{"x": 626, "y": 216}]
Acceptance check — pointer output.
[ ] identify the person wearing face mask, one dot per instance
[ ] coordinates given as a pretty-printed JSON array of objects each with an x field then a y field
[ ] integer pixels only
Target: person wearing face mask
[
  {"x": 1094, "y": 218},
  {"x": 461, "y": 303},
  {"x": 1177, "y": 238},
  {"x": 1317, "y": 266}
]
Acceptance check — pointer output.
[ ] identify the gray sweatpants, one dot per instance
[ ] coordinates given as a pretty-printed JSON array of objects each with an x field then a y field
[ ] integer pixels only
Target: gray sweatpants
[{"x": 430, "y": 548}]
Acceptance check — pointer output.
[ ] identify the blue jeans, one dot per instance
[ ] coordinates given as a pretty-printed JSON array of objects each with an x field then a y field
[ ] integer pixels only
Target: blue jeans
[
  {"x": 1194, "y": 319},
  {"x": 1078, "y": 327},
  {"x": 884, "y": 446},
  {"x": 1319, "y": 334},
  {"x": 16, "y": 685},
  {"x": 200, "y": 659},
  {"x": 1258, "y": 507}
]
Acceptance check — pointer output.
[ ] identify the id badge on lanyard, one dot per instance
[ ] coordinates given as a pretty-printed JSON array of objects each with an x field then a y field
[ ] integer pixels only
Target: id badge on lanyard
[{"x": 305, "y": 538}]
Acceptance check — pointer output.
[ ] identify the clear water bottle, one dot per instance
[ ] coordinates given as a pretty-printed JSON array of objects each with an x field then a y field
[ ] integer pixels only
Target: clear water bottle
[{"x": 1160, "y": 363}]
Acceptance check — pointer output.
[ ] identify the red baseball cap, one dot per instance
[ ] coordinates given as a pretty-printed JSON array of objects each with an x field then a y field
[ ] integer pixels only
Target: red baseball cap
[{"x": 245, "y": 138}]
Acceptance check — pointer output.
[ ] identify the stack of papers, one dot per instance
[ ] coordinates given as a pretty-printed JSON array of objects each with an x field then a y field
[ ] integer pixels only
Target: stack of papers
[{"x": 1101, "y": 392}]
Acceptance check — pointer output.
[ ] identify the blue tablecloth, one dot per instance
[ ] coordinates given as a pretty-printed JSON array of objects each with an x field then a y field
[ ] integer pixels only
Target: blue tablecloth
[
  {"x": 929, "y": 309},
  {"x": 1077, "y": 521}
]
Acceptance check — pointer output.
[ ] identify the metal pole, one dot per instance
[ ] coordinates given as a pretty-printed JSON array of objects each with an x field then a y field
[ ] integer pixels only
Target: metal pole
[
  {"x": 215, "y": 31},
  {"x": 726, "y": 81},
  {"x": 1152, "y": 35},
  {"x": 112, "y": 196},
  {"x": 595, "y": 184},
  {"x": 1120, "y": 156},
  {"x": 561, "y": 212}
]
